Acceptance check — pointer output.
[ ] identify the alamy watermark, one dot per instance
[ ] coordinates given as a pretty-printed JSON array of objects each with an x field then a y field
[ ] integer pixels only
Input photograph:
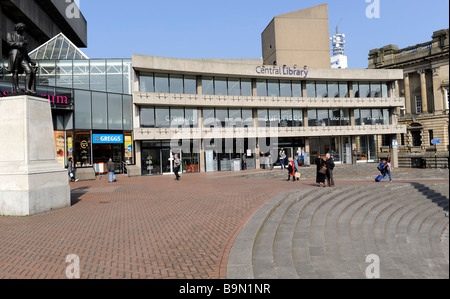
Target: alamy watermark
[
  {"x": 373, "y": 269},
  {"x": 373, "y": 10},
  {"x": 73, "y": 269},
  {"x": 73, "y": 9}
]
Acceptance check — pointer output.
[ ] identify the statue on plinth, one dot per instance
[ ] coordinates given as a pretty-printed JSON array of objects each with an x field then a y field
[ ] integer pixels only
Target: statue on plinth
[{"x": 20, "y": 61}]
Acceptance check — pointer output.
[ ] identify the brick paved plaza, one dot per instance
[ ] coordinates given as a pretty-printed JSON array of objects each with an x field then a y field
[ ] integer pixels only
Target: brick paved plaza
[{"x": 153, "y": 227}]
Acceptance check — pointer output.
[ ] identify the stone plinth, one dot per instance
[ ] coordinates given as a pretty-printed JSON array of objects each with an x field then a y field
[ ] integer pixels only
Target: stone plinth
[{"x": 31, "y": 180}]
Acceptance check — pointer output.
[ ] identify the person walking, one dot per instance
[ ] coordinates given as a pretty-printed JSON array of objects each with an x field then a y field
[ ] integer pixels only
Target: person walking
[
  {"x": 111, "y": 171},
  {"x": 71, "y": 171},
  {"x": 330, "y": 166},
  {"x": 176, "y": 166},
  {"x": 282, "y": 157},
  {"x": 291, "y": 170},
  {"x": 387, "y": 171},
  {"x": 320, "y": 175},
  {"x": 296, "y": 165},
  {"x": 244, "y": 161}
]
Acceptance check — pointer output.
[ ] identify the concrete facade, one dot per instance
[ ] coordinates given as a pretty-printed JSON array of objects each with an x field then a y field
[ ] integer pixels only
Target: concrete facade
[
  {"x": 425, "y": 89},
  {"x": 286, "y": 42},
  {"x": 31, "y": 180},
  {"x": 200, "y": 101}
]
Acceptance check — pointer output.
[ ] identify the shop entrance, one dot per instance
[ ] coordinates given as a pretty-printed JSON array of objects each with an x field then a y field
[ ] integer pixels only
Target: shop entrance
[
  {"x": 102, "y": 154},
  {"x": 157, "y": 160}
]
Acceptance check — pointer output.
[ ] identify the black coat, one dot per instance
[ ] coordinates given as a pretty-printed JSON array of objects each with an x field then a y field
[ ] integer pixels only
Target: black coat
[{"x": 18, "y": 53}]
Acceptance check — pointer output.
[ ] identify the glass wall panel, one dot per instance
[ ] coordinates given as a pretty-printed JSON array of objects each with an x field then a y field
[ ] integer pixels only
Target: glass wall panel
[
  {"x": 333, "y": 90},
  {"x": 83, "y": 156},
  {"x": 345, "y": 117},
  {"x": 311, "y": 90},
  {"x": 263, "y": 118},
  {"x": 234, "y": 87},
  {"x": 127, "y": 112},
  {"x": 343, "y": 90},
  {"x": 208, "y": 85},
  {"x": 357, "y": 113},
  {"x": 246, "y": 87},
  {"x": 114, "y": 71},
  {"x": 220, "y": 86},
  {"x": 47, "y": 73},
  {"x": 235, "y": 117},
  {"x": 356, "y": 90},
  {"x": 386, "y": 117},
  {"x": 366, "y": 116},
  {"x": 126, "y": 76},
  {"x": 323, "y": 117},
  {"x": 177, "y": 119},
  {"x": 312, "y": 118},
  {"x": 147, "y": 117},
  {"x": 64, "y": 70},
  {"x": 375, "y": 90},
  {"x": 261, "y": 88},
  {"x": 176, "y": 83},
  {"x": 146, "y": 82},
  {"x": 209, "y": 117},
  {"x": 377, "y": 116},
  {"x": 82, "y": 109},
  {"x": 297, "y": 117},
  {"x": 321, "y": 89},
  {"x": 384, "y": 90},
  {"x": 99, "y": 111},
  {"x": 273, "y": 88},
  {"x": 162, "y": 117},
  {"x": 81, "y": 74},
  {"x": 364, "y": 90},
  {"x": 221, "y": 116},
  {"x": 285, "y": 89},
  {"x": 274, "y": 117},
  {"x": 190, "y": 85},
  {"x": 296, "y": 89},
  {"x": 115, "y": 112},
  {"x": 286, "y": 118},
  {"x": 162, "y": 83},
  {"x": 247, "y": 118},
  {"x": 98, "y": 75},
  {"x": 335, "y": 117},
  {"x": 191, "y": 116}
]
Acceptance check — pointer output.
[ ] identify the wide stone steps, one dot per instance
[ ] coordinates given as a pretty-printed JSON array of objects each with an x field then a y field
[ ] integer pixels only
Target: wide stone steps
[{"x": 329, "y": 232}]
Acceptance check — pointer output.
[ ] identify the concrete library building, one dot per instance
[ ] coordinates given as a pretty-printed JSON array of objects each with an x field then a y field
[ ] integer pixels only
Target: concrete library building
[{"x": 213, "y": 113}]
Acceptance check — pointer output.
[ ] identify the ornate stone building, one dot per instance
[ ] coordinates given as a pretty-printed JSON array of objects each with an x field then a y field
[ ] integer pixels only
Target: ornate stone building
[{"x": 425, "y": 89}]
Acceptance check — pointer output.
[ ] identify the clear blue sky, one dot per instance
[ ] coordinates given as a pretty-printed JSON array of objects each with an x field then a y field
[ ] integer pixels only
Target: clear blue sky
[{"x": 232, "y": 29}]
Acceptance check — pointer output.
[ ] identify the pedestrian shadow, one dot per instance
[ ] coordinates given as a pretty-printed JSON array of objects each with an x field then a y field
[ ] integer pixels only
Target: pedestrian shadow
[
  {"x": 76, "y": 194},
  {"x": 441, "y": 200}
]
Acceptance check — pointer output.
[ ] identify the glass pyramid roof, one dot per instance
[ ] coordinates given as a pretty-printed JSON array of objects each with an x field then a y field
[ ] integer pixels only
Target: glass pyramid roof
[{"x": 58, "y": 48}]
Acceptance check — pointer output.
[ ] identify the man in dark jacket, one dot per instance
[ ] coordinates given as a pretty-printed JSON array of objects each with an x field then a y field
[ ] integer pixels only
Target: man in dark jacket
[
  {"x": 111, "y": 170},
  {"x": 330, "y": 167}
]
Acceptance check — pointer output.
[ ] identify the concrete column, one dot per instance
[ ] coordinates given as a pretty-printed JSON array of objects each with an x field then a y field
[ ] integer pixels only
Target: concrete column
[
  {"x": 423, "y": 90},
  {"x": 202, "y": 166},
  {"x": 307, "y": 150},
  {"x": 256, "y": 125},
  {"x": 407, "y": 94}
]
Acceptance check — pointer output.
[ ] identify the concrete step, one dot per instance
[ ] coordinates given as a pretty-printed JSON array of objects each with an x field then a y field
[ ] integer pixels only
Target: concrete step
[{"x": 328, "y": 232}]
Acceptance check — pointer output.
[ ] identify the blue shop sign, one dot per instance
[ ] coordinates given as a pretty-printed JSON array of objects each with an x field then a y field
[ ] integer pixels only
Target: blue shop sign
[{"x": 107, "y": 138}]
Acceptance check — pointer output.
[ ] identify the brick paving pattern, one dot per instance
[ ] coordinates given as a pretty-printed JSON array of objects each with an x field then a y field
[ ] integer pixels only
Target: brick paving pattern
[{"x": 146, "y": 227}]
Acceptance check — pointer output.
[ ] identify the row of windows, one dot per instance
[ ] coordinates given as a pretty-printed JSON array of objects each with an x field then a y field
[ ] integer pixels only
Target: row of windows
[
  {"x": 102, "y": 111},
  {"x": 110, "y": 75},
  {"x": 164, "y": 117},
  {"x": 182, "y": 84},
  {"x": 165, "y": 83}
]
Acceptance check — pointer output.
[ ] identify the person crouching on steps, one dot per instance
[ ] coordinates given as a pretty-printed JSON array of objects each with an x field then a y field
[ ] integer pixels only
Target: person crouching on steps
[{"x": 291, "y": 170}]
